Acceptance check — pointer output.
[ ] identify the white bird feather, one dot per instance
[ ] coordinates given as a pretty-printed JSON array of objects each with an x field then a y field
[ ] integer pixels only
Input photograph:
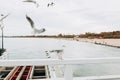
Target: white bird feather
[{"x": 32, "y": 1}]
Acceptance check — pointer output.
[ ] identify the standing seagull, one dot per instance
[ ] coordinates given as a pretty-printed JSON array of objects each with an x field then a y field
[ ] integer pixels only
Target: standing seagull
[
  {"x": 32, "y": 1},
  {"x": 33, "y": 26}
]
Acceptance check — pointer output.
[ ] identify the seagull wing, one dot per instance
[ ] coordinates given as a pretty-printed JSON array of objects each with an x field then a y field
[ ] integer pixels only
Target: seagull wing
[
  {"x": 4, "y": 17},
  {"x": 30, "y": 21},
  {"x": 31, "y": 1},
  {"x": 28, "y": 1},
  {"x": 37, "y": 4},
  {"x": 48, "y": 5}
]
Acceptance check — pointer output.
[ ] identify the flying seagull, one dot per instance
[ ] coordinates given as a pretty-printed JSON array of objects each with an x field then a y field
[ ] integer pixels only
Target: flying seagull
[
  {"x": 33, "y": 26},
  {"x": 50, "y": 4},
  {"x": 32, "y": 1}
]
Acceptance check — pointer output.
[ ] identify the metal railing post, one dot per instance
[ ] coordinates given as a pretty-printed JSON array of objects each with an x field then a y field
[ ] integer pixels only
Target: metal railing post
[{"x": 68, "y": 74}]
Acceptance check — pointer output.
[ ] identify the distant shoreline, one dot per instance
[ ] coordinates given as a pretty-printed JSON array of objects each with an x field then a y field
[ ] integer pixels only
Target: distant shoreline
[{"x": 105, "y": 42}]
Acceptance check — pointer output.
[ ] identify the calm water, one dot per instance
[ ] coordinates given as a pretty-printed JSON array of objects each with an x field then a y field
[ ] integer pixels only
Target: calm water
[{"x": 32, "y": 48}]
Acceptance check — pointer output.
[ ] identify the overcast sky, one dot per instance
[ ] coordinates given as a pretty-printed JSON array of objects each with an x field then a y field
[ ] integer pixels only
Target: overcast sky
[{"x": 66, "y": 16}]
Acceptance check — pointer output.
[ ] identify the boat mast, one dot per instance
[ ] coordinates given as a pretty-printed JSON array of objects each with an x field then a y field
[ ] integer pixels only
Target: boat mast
[
  {"x": 2, "y": 28},
  {"x": 2, "y": 39}
]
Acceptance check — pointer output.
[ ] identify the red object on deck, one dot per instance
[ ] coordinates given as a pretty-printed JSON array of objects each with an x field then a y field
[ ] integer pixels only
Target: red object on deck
[
  {"x": 26, "y": 73},
  {"x": 15, "y": 73}
]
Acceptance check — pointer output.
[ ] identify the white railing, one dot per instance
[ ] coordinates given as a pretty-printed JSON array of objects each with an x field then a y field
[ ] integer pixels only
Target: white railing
[
  {"x": 68, "y": 63},
  {"x": 26, "y": 62}
]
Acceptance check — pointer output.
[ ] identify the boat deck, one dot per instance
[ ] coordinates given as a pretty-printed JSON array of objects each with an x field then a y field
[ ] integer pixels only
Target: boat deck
[
  {"x": 24, "y": 73},
  {"x": 43, "y": 69}
]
